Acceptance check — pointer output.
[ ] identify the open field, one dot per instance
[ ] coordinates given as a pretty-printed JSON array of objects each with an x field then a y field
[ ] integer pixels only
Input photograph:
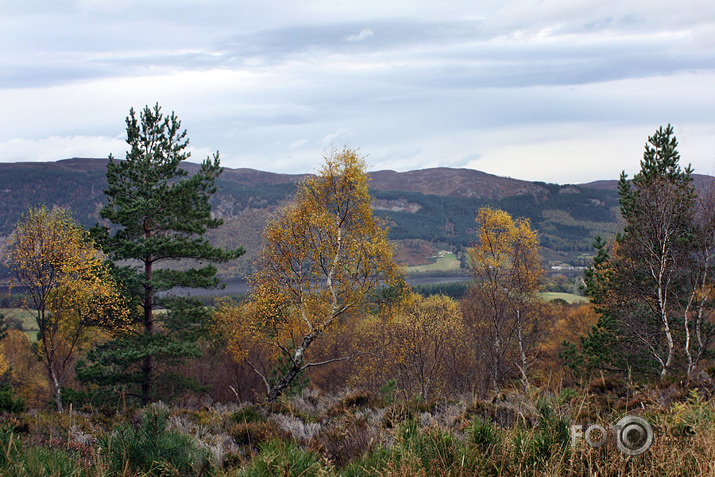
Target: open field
[
  {"x": 445, "y": 262},
  {"x": 27, "y": 320},
  {"x": 569, "y": 298}
]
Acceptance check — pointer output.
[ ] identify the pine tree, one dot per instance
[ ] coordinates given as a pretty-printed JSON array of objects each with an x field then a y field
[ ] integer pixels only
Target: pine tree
[
  {"x": 645, "y": 289},
  {"x": 160, "y": 215}
]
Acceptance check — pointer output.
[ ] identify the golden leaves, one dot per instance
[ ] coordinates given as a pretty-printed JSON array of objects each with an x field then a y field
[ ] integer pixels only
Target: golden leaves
[
  {"x": 327, "y": 251},
  {"x": 507, "y": 252},
  {"x": 55, "y": 263},
  {"x": 320, "y": 259}
]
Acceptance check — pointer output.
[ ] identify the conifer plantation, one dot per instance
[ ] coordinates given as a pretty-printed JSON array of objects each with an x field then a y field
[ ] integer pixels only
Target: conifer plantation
[{"x": 331, "y": 364}]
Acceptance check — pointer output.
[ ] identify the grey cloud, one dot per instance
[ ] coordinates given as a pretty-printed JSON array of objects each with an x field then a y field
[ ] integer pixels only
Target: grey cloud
[
  {"x": 291, "y": 41},
  {"x": 460, "y": 54}
]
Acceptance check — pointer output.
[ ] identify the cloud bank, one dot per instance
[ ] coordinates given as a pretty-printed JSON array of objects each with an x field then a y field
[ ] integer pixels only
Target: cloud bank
[{"x": 558, "y": 91}]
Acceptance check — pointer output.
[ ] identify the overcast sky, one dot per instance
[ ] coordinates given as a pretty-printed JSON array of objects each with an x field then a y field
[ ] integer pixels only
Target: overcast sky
[{"x": 560, "y": 91}]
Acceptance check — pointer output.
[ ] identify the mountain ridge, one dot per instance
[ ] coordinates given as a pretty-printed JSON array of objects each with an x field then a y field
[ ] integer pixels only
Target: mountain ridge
[
  {"x": 427, "y": 210},
  {"x": 441, "y": 181}
]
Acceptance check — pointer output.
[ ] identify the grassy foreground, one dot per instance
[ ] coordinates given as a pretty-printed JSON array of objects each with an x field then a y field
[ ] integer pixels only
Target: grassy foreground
[{"x": 359, "y": 433}]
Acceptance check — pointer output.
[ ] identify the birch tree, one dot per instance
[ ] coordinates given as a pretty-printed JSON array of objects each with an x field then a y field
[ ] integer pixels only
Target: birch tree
[
  {"x": 424, "y": 338},
  {"x": 71, "y": 293},
  {"x": 507, "y": 272},
  {"x": 321, "y": 259}
]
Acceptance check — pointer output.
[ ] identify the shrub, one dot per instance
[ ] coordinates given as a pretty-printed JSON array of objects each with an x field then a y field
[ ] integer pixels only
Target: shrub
[
  {"x": 403, "y": 411},
  {"x": 550, "y": 438},
  {"x": 343, "y": 441},
  {"x": 434, "y": 449},
  {"x": 8, "y": 402},
  {"x": 484, "y": 434},
  {"x": 284, "y": 458},
  {"x": 354, "y": 400},
  {"x": 154, "y": 449},
  {"x": 371, "y": 464},
  {"x": 416, "y": 452},
  {"x": 253, "y": 433},
  {"x": 16, "y": 459},
  {"x": 248, "y": 414},
  {"x": 389, "y": 388}
]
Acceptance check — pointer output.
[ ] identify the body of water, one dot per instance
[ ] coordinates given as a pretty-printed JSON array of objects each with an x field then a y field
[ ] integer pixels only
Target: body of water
[{"x": 240, "y": 287}]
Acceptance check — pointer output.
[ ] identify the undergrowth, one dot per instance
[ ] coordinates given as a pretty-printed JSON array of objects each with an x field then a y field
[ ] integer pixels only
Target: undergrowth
[{"x": 359, "y": 434}]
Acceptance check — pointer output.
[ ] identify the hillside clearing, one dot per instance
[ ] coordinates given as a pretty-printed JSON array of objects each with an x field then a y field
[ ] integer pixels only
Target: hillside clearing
[
  {"x": 569, "y": 298},
  {"x": 444, "y": 262}
]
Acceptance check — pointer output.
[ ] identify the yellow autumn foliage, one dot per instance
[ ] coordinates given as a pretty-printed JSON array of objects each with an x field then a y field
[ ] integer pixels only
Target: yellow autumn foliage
[
  {"x": 320, "y": 260},
  {"x": 501, "y": 305},
  {"x": 71, "y": 292}
]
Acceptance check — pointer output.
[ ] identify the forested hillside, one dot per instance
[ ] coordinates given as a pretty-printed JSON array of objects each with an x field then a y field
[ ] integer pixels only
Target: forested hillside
[{"x": 427, "y": 210}]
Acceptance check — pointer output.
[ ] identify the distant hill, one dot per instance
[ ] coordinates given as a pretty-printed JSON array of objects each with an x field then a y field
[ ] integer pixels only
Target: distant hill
[
  {"x": 427, "y": 210},
  {"x": 701, "y": 182},
  {"x": 441, "y": 181},
  {"x": 78, "y": 184}
]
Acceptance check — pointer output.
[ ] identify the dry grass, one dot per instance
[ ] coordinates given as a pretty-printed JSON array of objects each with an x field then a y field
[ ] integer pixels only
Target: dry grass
[{"x": 356, "y": 433}]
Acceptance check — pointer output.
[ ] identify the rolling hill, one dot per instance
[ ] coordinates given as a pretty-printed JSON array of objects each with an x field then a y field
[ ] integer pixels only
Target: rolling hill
[{"x": 427, "y": 210}]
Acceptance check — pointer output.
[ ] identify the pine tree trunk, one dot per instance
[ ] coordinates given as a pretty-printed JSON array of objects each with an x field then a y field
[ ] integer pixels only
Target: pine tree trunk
[{"x": 147, "y": 365}]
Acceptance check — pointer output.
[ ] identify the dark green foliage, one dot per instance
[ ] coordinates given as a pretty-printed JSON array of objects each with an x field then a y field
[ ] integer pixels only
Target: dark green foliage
[
  {"x": 597, "y": 350},
  {"x": 451, "y": 219},
  {"x": 32, "y": 185},
  {"x": 151, "y": 448},
  {"x": 285, "y": 458},
  {"x": 8, "y": 402},
  {"x": 284, "y": 365},
  {"x": 535, "y": 448},
  {"x": 659, "y": 169},
  {"x": 552, "y": 434},
  {"x": 435, "y": 449},
  {"x": 610, "y": 345},
  {"x": 387, "y": 390},
  {"x": 255, "y": 195},
  {"x": 250, "y": 427},
  {"x": 15, "y": 300},
  {"x": 455, "y": 290},
  {"x": 448, "y": 220},
  {"x": 416, "y": 450},
  {"x": 4, "y": 326},
  {"x": 253, "y": 434},
  {"x": 484, "y": 434},
  {"x": 112, "y": 371},
  {"x": 399, "y": 412},
  {"x": 640, "y": 290},
  {"x": 160, "y": 214},
  {"x": 248, "y": 414},
  {"x": 17, "y": 459}
]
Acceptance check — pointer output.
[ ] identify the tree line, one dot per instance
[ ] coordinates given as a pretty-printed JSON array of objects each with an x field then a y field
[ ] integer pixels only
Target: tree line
[{"x": 328, "y": 302}]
